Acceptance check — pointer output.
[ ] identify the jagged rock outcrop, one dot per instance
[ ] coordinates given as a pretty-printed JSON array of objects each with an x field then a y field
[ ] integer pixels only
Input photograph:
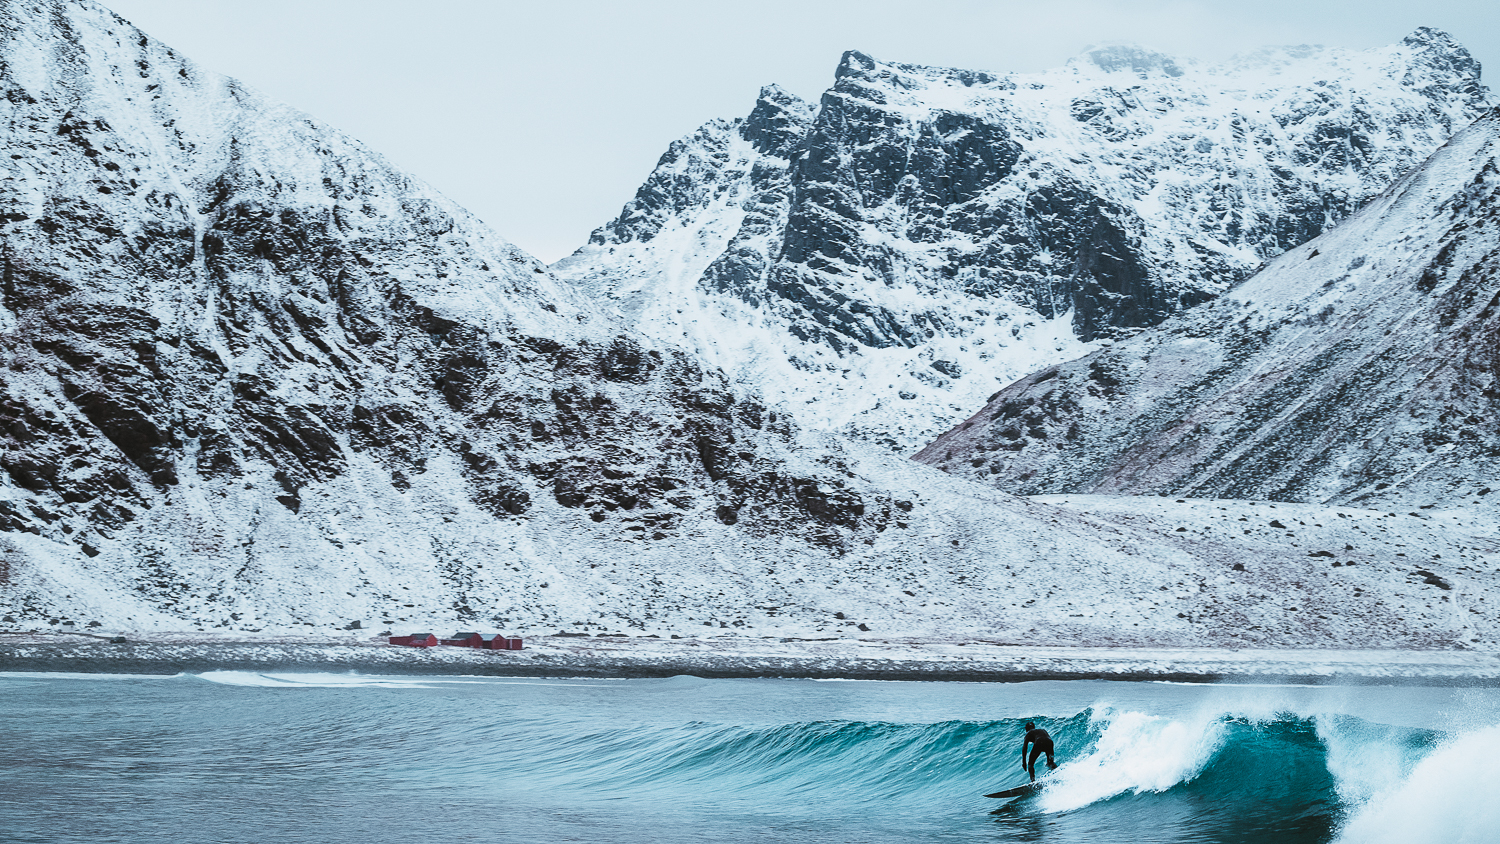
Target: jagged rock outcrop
[
  {"x": 883, "y": 260},
  {"x": 1360, "y": 368}
]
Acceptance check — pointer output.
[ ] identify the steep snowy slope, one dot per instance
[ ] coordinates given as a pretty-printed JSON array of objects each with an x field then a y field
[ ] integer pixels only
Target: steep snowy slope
[
  {"x": 1359, "y": 368},
  {"x": 884, "y": 260}
]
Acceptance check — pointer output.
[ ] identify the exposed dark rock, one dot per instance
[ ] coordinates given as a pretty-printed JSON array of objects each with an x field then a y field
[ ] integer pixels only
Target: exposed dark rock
[{"x": 1433, "y": 580}]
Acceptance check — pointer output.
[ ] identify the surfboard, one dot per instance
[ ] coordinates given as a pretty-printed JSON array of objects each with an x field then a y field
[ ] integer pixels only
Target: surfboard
[{"x": 1018, "y": 791}]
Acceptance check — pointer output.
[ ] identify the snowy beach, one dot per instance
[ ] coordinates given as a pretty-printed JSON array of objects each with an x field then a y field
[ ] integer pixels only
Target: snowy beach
[{"x": 846, "y": 658}]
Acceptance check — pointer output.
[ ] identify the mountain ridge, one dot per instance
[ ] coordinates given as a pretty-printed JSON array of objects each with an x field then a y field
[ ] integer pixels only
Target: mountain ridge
[{"x": 936, "y": 233}]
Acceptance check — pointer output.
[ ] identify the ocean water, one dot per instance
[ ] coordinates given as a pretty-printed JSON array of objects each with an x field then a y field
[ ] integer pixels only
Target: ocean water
[{"x": 323, "y": 758}]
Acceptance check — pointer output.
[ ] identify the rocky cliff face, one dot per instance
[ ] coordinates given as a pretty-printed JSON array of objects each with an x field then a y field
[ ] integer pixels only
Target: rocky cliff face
[
  {"x": 1359, "y": 368},
  {"x": 883, "y": 260}
]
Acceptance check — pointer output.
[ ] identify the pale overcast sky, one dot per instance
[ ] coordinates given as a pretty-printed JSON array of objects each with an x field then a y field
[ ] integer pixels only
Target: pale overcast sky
[{"x": 543, "y": 117}]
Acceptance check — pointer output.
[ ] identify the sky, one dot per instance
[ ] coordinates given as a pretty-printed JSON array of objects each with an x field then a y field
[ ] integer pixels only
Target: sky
[{"x": 543, "y": 116}]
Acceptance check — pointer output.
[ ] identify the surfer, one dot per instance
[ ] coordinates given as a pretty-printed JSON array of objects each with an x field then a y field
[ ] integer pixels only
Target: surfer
[{"x": 1040, "y": 742}]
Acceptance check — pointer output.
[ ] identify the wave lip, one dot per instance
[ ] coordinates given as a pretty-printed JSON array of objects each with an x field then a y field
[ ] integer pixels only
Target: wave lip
[{"x": 1135, "y": 752}]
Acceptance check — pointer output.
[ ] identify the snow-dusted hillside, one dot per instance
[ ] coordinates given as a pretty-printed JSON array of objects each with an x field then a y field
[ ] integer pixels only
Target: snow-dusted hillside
[
  {"x": 1360, "y": 368},
  {"x": 883, "y": 261}
]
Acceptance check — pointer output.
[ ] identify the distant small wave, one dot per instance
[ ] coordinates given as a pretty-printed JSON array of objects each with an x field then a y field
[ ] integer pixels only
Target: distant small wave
[
  {"x": 323, "y": 681},
  {"x": 76, "y": 675}
]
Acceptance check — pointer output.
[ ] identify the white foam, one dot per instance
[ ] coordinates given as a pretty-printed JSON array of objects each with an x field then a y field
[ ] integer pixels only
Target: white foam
[
  {"x": 1449, "y": 797},
  {"x": 78, "y": 675},
  {"x": 313, "y": 680},
  {"x": 1362, "y": 766},
  {"x": 1135, "y": 752},
  {"x": 1220, "y": 684},
  {"x": 321, "y": 681}
]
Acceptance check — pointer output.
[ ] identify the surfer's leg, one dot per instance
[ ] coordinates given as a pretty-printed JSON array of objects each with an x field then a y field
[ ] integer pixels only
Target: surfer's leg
[
  {"x": 1031, "y": 762},
  {"x": 1051, "y": 764}
]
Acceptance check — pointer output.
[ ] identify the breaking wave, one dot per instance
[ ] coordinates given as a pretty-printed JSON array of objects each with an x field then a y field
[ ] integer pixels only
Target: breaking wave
[
  {"x": 1282, "y": 777},
  {"x": 1237, "y": 766}
]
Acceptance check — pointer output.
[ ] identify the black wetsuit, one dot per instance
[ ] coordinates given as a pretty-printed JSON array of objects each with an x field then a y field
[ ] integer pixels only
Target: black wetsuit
[{"x": 1040, "y": 743}]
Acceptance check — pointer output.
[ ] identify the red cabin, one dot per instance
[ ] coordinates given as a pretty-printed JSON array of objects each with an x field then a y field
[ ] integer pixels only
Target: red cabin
[
  {"x": 465, "y": 640},
  {"x": 501, "y": 643},
  {"x": 415, "y": 640}
]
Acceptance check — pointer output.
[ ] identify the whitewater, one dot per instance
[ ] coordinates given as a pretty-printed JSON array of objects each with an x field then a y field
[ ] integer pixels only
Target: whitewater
[{"x": 231, "y": 756}]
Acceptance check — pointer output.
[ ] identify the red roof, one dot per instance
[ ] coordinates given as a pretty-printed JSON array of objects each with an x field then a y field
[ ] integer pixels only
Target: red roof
[{"x": 415, "y": 640}]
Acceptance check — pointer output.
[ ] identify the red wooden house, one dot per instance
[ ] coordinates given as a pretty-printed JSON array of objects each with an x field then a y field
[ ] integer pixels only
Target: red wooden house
[
  {"x": 465, "y": 640},
  {"x": 501, "y": 643},
  {"x": 415, "y": 640}
]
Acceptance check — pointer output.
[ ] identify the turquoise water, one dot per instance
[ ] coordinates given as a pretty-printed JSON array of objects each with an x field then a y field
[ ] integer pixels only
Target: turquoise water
[{"x": 246, "y": 757}]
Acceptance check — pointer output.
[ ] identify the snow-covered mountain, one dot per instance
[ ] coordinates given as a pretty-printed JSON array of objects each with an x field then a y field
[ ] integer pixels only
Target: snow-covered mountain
[
  {"x": 1359, "y": 368},
  {"x": 251, "y": 371},
  {"x": 253, "y": 378},
  {"x": 882, "y": 261}
]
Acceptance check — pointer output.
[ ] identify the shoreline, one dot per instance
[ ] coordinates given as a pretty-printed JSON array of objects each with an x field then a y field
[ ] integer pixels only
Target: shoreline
[{"x": 848, "y": 659}]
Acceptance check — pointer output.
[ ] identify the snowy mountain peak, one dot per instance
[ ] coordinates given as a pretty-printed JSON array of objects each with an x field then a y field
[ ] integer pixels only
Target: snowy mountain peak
[
  {"x": 1438, "y": 62},
  {"x": 777, "y": 123},
  {"x": 856, "y": 67},
  {"x": 1129, "y": 58},
  {"x": 1439, "y": 43},
  {"x": 882, "y": 264}
]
